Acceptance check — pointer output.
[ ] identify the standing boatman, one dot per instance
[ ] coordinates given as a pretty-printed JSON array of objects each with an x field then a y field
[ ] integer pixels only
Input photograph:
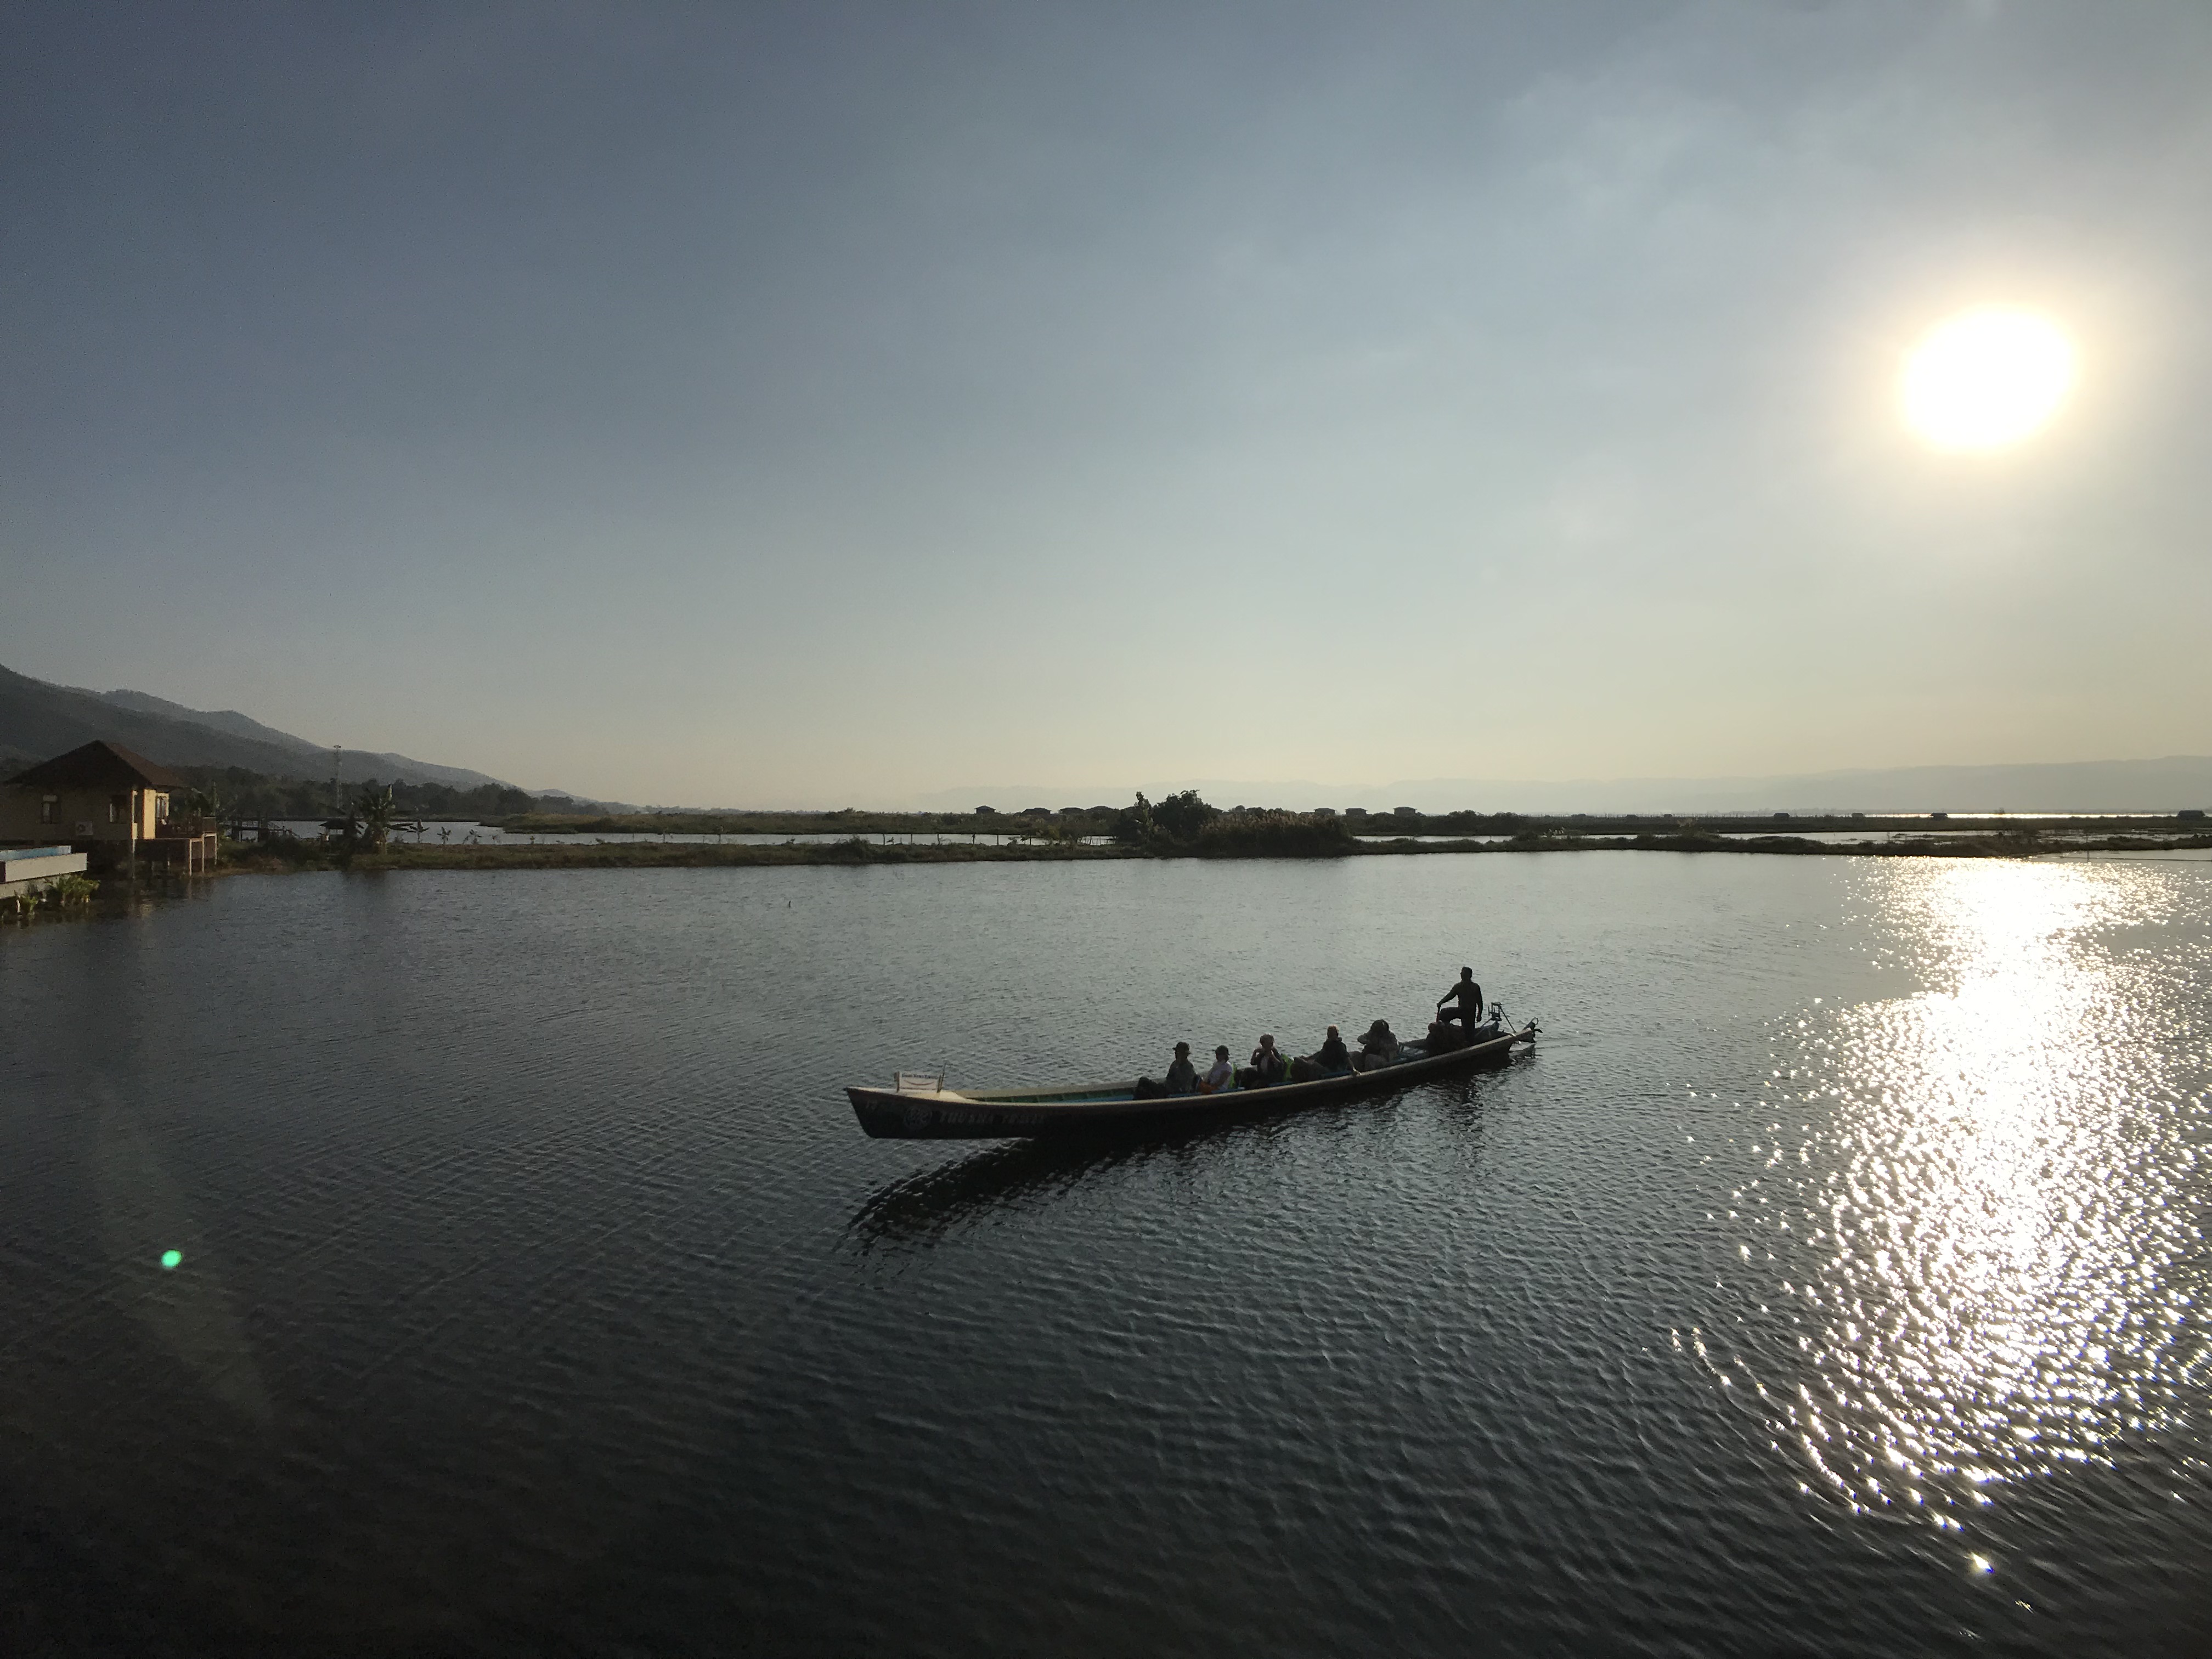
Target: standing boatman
[{"x": 1468, "y": 996}]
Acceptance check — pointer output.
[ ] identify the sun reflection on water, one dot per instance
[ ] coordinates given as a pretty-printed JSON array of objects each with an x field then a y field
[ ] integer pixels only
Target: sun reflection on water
[{"x": 1980, "y": 1202}]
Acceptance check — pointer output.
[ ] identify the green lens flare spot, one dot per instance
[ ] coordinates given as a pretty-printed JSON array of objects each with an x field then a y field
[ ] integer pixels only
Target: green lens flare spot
[{"x": 170, "y": 1258}]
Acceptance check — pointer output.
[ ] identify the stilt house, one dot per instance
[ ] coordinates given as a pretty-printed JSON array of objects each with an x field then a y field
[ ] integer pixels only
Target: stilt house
[{"x": 103, "y": 800}]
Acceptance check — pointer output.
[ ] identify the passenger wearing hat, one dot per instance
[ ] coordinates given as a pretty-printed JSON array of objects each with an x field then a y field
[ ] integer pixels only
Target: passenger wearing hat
[
  {"x": 1222, "y": 1076},
  {"x": 1182, "y": 1076},
  {"x": 1379, "y": 1047}
]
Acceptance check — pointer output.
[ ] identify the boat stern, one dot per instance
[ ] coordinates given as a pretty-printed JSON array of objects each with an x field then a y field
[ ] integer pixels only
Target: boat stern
[{"x": 923, "y": 1114}]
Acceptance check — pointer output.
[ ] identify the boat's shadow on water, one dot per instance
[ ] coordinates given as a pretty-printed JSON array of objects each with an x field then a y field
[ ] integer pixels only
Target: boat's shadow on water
[
  {"x": 1011, "y": 1175},
  {"x": 1014, "y": 1176}
]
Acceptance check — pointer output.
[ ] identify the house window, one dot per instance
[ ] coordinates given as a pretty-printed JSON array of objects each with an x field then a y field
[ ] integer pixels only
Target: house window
[
  {"x": 119, "y": 808},
  {"x": 47, "y": 809}
]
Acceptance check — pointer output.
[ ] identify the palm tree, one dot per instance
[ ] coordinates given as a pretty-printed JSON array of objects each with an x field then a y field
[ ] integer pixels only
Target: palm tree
[{"x": 374, "y": 816}]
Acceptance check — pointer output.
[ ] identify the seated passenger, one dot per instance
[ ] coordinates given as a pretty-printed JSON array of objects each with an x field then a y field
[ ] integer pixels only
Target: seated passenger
[
  {"x": 1182, "y": 1076},
  {"x": 1268, "y": 1065},
  {"x": 1333, "y": 1060},
  {"x": 1221, "y": 1075},
  {"x": 1379, "y": 1047}
]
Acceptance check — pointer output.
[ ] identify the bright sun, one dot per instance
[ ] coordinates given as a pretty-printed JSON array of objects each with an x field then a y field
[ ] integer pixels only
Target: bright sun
[{"x": 1986, "y": 378}]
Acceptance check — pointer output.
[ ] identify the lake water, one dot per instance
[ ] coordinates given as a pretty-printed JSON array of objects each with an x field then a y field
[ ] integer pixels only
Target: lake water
[{"x": 1830, "y": 1280}]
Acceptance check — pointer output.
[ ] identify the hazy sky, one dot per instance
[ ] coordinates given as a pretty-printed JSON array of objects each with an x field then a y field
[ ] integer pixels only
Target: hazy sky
[{"x": 834, "y": 404}]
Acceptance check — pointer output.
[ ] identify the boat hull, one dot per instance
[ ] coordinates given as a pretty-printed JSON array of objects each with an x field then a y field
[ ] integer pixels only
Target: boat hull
[{"x": 998, "y": 1114}]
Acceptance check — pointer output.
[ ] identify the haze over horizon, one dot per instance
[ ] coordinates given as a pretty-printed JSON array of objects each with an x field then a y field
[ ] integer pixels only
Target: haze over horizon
[{"x": 846, "y": 404}]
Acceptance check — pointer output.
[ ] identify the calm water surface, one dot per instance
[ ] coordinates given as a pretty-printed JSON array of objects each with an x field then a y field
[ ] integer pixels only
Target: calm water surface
[{"x": 1831, "y": 1281}]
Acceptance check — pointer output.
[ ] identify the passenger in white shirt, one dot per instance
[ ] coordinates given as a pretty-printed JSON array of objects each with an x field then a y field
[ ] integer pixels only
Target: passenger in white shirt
[{"x": 1223, "y": 1076}]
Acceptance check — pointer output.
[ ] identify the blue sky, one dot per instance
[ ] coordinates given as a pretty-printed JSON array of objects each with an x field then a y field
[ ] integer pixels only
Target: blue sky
[{"x": 827, "y": 405}]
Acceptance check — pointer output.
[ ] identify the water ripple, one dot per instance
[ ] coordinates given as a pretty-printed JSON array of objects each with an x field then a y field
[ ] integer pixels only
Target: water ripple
[{"x": 1828, "y": 1281}]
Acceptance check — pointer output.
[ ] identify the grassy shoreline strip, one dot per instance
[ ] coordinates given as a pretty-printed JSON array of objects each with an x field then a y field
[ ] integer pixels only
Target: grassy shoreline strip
[{"x": 248, "y": 858}]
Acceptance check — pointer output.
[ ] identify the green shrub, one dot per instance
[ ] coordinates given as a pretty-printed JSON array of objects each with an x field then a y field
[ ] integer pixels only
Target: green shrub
[
  {"x": 71, "y": 890},
  {"x": 1171, "y": 825},
  {"x": 1276, "y": 835}
]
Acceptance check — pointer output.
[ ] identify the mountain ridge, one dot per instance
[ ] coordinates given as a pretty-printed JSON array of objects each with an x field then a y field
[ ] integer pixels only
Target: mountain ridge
[
  {"x": 38, "y": 719},
  {"x": 222, "y": 719}
]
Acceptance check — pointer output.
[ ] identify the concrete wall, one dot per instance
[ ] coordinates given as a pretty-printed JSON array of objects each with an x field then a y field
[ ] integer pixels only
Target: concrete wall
[{"x": 19, "y": 875}]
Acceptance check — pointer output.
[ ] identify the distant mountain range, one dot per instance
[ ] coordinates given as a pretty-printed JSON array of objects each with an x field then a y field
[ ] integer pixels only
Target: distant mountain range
[
  {"x": 2124, "y": 785},
  {"x": 38, "y": 719}
]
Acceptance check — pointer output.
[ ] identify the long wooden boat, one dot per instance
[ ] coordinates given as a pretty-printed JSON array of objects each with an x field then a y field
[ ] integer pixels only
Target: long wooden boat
[{"x": 912, "y": 1113}]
